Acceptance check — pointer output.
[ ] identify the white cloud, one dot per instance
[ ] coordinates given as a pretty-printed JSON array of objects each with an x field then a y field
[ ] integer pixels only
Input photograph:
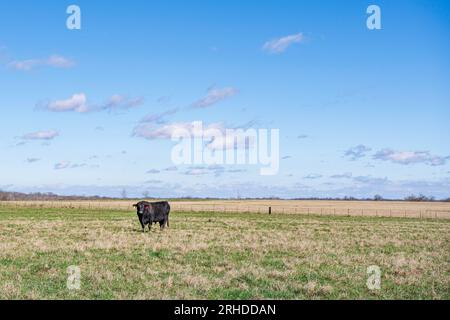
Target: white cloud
[
  {"x": 76, "y": 103},
  {"x": 215, "y": 96},
  {"x": 215, "y": 134},
  {"x": 410, "y": 157},
  {"x": 281, "y": 44},
  {"x": 41, "y": 135},
  {"x": 79, "y": 103},
  {"x": 166, "y": 131},
  {"x": 55, "y": 61}
]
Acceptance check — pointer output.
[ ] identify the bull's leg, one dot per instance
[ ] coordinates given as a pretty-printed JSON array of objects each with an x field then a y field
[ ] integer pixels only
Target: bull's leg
[
  {"x": 140, "y": 221},
  {"x": 150, "y": 226},
  {"x": 162, "y": 224}
]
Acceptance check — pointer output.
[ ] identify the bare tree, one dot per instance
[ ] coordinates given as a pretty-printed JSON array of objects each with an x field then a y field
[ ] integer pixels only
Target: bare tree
[
  {"x": 124, "y": 193},
  {"x": 145, "y": 194},
  {"x": 377, "y": 197}
]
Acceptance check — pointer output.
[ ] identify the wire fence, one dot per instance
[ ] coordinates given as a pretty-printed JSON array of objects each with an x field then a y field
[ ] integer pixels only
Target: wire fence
[{"x": 241, "y": 208}]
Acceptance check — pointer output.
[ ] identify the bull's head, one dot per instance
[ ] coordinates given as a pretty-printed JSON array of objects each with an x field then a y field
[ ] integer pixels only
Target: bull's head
[{"x": 139, "y": 208}]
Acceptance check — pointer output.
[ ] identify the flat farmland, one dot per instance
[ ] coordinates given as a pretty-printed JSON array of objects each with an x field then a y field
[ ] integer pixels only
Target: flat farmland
[
  {"x": 305, "y": 207},
  {"x": 220, "y": 255}
]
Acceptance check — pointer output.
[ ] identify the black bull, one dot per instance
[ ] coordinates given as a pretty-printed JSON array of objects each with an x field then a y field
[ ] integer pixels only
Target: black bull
[{"x": 153, "y": 212}]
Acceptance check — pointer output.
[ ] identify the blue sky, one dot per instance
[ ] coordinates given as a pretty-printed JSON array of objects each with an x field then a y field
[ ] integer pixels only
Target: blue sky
[{"x": 360, "y": 112}]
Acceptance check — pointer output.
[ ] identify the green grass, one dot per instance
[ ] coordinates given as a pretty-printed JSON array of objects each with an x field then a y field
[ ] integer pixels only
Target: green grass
[{"x": 220, "y": 256}]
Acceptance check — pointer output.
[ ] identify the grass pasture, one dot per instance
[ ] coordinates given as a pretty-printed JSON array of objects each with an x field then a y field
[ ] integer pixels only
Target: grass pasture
[
  {"x": 401, "y": 209},
  {"x": 217, "y": 255}
]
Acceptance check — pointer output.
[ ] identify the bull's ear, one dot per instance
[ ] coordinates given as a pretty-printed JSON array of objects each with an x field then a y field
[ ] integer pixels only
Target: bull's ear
[{"x": 135, "y": 205}]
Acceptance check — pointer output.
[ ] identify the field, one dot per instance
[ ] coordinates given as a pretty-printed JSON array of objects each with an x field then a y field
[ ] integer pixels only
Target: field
[
  {"x": 343, "y": 208},
  {"x": 220, "y": 255}
]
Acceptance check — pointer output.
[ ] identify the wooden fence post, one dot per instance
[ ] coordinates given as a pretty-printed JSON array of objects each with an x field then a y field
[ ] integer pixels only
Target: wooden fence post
[{"x": 270, "y": 210}]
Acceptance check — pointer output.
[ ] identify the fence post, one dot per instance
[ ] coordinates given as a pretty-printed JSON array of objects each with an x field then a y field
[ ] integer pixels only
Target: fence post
[{"x": 270, "y": 210}]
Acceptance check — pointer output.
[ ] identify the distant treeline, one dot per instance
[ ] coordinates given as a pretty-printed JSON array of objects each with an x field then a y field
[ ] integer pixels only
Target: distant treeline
[
  {"x": 19, "y": 196},
  {"x": 414, "y": 198},
  {"x": 48, "y": 196}
]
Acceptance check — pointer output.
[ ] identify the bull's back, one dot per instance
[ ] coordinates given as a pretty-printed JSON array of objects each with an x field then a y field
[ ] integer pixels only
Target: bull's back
[{"x": 161, "y": 209}]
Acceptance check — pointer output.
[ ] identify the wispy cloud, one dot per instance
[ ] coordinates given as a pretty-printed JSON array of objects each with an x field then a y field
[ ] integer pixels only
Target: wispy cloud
[
  {"x": 172, "y": 168},
  {"x": 346, "y": 175},
  {"x": 118, "y": 101},
  {"x": 302, "y": 136},
  {"x": 41, "y": 135},
  {"x": 78, "y": 165},
  {"x": 62, "y": 165},
  {"x": 68, "y": 165},
  {"x": 158, "y": 117},
  {"x": 313, "y": 176},
  {"x": 215, "y": 96},
  {"x": 357, "y": 152},
  {"x": 215, "y": 170},
  {"x": 79, "y": 103},
  {"x": 410, "y": 157},
  {"x": 371, "y": 180},
  {"x": 280, "y": 45},
  {"x": 32, "y": 160},
  {"x": 54, "y": 61},
  {"x": 153, "y": 181},
  {"x": 196, "y": 171}
]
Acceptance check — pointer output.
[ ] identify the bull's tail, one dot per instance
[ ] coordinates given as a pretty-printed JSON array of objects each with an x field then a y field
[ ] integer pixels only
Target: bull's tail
[{"x": 167, "y": 221}]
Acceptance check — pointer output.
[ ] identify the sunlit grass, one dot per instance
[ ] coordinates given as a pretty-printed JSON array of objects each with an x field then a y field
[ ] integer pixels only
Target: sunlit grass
[{"x": 220, "y": 256}]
